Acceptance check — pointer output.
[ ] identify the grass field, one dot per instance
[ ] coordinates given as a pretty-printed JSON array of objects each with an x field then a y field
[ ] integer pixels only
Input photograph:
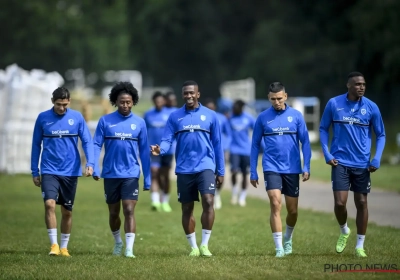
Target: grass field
[{"x": 241, "y": 242}]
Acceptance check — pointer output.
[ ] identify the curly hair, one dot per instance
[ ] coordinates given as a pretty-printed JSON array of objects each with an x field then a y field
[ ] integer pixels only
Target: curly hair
[{"x": 126, "y": 88}]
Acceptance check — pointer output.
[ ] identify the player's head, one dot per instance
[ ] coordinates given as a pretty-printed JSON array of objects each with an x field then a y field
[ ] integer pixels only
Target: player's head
[
  {"x": 170, "y": 99},
  {"x": 123, "y": 96},
  {"x": 209, "y": 103},
  {"x": 238, "y": 106},
  {"x": 158, "y": 100},
  {"x": 277, "y": 95},
  {"x": 356, "y": 85},
  {"x": 190, "y": 94},
  {"x": 61, "y": 99}
]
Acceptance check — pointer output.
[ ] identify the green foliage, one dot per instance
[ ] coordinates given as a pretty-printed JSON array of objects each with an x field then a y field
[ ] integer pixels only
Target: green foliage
[{"x": 241, "y": 241}]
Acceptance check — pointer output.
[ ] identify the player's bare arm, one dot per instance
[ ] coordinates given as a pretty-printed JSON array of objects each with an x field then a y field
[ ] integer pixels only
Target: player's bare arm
[{"x": 220, "y": 180}]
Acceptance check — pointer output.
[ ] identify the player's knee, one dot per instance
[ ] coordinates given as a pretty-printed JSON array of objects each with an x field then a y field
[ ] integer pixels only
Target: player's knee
[
  {"x": 292, "y": 211},
  {"x": 208, "y": 203},
  {"x": 275, "y": 205},
  {"x": 128, "y": 211},
  {"x": 361, "y": 204},
  {"x": 66, "y": 214},
  {"x": 340, "y": 204},
  {"x": 50, "y": 205}
]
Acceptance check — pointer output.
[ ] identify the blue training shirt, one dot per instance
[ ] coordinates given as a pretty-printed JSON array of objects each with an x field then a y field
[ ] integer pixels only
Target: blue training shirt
[
  {"x": 58, "y": 136},
  {"x": 198, "y": 140},
  {"x": 241, "y": 126},
  {"x": 125, "y": 140},
  {"x": 156, "y": 121},
  {"x": 225, "y": 131},
  {"x": 352, "y": 123},
  {"x": 281, "y": 131}
]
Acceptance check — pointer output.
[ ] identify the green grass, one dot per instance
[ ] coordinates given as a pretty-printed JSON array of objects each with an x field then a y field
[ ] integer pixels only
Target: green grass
[
  {"x": 241, "y": 242},
  {"x": 386, "y": 177}
]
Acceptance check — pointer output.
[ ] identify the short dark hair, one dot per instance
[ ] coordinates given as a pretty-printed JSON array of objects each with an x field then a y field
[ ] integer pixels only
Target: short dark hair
[
  {"x": 354, "y": 74},
  {"x": 239, "y": 103},
  {"x": 61, "y": 93},
  {"x": 190, "y": 83},
  {"x": 123, "y": 87},
  {"x": 169, "y": 93},
  {"x": 276, "y": 87},
  {"x": 156, "y": 95},
  {"x": 208, "y": 101}
]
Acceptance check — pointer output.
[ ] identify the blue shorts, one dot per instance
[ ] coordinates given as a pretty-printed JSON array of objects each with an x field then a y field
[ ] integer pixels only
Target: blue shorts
[
  {"x": 60, "y": 188},
  {"x": 116, "y": 189},
  {"x": 289, "y": 184},
  {"x": 189, "y": 185},
  {"x": 239, "y": 163},
  {"x": 161, "y": 161},
  {"x": 351, "y": 178}
]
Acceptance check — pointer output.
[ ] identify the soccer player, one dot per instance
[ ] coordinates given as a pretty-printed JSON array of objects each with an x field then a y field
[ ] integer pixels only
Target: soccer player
[
  {"x": 281, "y": 128},
  {"x": 57, "y": 131},
  {"x": 225, "y": 140},
  {"x": 170, "y": 101},
  {"x": 241, "y": 125},
  {"x": 198, "y": 154},
  {"x": 352, "y": 117},
  {"x": 156, "y": 119},
  {"x": 124, "y": 136}
]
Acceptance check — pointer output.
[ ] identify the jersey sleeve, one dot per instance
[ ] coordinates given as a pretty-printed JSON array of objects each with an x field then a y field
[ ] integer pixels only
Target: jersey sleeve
[
  {"x": 304, "y": 138},
  {"x": 36, "y": 147},
  {"x": 168, "y": 136},
  {"x": 87, "y": 142},
  {"x": 325, "y": 123},
  {"x": 255, "y": 147},
  {"x": 145, "y": 156},
  {"x": 379, "y": 129},
  {"x": 216, "y": 142},
  {"x": 98, "y": 141}
]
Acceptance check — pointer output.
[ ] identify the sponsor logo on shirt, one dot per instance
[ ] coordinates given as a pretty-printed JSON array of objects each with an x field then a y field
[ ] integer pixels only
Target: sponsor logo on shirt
[
  {"x": 122, "y": 134},
  {"x": 191, "y": 126},
  {"x": 351, "y": 119},
  {"x": 280, "y": 129},
  {"x": 60, "y": 131}
]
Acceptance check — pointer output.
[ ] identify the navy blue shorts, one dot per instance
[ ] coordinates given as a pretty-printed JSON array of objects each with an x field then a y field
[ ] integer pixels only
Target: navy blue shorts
[
  {"x": 239, "y": 163},
  {"x": 161, "y": 161},
  {"x": 60, "y": 188},
  {"x": 351, "y": 178},
  {"x": 289, "y": 184},
  {"x": 116, "y": 189},
  {"x": 189, "y": 185}
]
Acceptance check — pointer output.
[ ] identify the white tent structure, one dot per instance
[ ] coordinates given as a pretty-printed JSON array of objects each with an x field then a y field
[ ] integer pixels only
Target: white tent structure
[{"x": 23, "y": 95}]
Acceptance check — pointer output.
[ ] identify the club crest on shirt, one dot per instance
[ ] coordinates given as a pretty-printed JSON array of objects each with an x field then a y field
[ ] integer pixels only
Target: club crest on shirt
[
  {"x": 71, "y": 121},
  {"x": 203, "y": 118},
  {"x": 165, "y": 117},
  {"x": 133, "y": 126},
  {"x": 363, "y": 111},
  {"x": 290, "y": 119}
]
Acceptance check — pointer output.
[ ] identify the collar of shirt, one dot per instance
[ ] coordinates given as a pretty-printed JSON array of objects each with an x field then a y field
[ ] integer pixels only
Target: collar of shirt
[
  {"x": 122, "y": 116},
  {"x": 194, "y": 110},
  {"x": 280, "y": 111},
  {"x": 66, "y": 112}
]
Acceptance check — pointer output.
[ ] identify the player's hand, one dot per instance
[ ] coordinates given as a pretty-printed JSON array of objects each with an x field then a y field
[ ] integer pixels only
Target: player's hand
[
  {"x": 306, "y": 176},
  {"x": 372, "y": 169},
  {"x": 254, "y": 183},
  {"x": 36, "y": 181},
  {"x": 96, "y": 178},
  {"x": 333, "y": 162},
  {"x": 219, "y": 180},
  {"x": 89, "y": 171},
  {"x": 155, "y": 150}
]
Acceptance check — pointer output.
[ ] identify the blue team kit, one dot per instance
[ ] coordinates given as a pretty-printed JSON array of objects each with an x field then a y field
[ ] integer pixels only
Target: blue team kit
[
  {"x": 281, "y": 131},
  {"x": 125, "y": 141},
  {"x": 198, "y": 144},
  {"x": 59, "y": 133},
  {"x": 352, "y": 122}
]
